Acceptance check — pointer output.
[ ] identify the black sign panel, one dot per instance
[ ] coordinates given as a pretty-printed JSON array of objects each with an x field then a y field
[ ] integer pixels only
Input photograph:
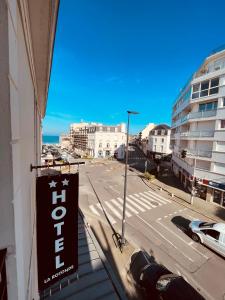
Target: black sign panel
[{"x": 57, "y": 227}]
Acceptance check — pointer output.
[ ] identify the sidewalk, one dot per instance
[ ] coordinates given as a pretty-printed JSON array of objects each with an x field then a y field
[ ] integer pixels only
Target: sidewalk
[{"x": 175, "y": 192}]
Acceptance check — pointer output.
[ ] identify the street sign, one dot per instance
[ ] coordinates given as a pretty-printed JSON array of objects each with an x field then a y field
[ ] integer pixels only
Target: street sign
[{"x": 57, "y": 227}]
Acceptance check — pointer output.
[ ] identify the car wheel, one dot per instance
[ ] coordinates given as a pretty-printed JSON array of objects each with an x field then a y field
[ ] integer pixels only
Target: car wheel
[{"x": 195, "y": 237}]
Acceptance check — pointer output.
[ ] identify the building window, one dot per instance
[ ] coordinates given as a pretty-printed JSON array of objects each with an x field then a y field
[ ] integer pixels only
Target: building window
[
  {"x": 217, "y": 195},
  {"x": 222, "y": 123},
  {"x": 223, "y": 199},
  {"x": 162, "y": 149},
  {"x": 162, "y": 140},
  {"x": 100, "y": 145},
  {"x": 208, "y": 106},
  {"x": 107, "y": 145},
  {"x": 156, "y": 132},
  {"x": 223, "y": 102},
  {"x": 163, "y": 132},
  {"x": 205, "y": 88},
  {"x": 155, "y": 140},
  {"x": 155, "y": 148},
  {"x": 115, "y": 146}
]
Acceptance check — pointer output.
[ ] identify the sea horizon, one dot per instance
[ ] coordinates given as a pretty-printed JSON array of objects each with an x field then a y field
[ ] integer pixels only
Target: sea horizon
[{"x": 50, "y": 139}]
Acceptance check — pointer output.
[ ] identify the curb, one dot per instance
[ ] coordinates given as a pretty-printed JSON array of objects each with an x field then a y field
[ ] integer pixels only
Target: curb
[{"x": 186, "y": 204}]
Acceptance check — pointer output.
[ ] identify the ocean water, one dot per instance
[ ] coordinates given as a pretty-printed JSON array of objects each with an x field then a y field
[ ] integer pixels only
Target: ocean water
[{"x": 50, "y": 139}]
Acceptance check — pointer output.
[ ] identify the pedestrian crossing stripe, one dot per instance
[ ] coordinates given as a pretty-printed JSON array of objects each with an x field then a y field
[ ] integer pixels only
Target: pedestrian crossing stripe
[
  {"x": 154, "y": 195},
  {"x": 111, "y": 219},
  {"x": 136, "y": 203}
]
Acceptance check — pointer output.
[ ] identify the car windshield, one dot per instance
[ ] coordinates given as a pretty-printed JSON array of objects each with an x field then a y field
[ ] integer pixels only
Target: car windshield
[{"x": 206, "y": 224}]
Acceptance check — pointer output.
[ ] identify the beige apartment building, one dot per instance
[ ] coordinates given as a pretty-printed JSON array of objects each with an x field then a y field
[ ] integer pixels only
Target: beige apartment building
[
  {"x": 27, "y": 32},
  {"x": 198, "y": 130},
  {"x": 98, "y": 140}
]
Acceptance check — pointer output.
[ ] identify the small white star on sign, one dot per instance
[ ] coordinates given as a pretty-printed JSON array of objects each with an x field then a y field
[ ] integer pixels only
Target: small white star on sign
[
  {"x": 65, "y": 182},
  {"x": 52, "y": 184}
]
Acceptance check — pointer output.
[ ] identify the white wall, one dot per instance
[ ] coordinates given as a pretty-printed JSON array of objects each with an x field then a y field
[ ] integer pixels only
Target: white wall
[{"x": 23, "y": 146}]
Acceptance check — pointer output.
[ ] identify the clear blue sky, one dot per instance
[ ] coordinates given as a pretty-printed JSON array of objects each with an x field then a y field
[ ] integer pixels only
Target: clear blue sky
[{"x": 115, "y": 55}]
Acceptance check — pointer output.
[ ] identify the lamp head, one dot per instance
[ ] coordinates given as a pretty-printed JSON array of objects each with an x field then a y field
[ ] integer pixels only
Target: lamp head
[{"x": 132, "y": 112}]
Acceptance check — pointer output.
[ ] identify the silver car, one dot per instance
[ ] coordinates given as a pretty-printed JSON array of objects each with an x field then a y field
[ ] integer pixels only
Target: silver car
[{"x": 210, "y": 234}]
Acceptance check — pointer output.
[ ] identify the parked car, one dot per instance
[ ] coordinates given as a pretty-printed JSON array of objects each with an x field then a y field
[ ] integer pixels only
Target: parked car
[
  {"x": 210, "y": 234},
  {"x": 174, "y": 287},
  {"x": 150, "y": 275}
]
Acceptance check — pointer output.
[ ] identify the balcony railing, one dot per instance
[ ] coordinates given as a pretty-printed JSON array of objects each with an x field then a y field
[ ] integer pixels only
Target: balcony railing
[
  {"x": 193, "y": 152},
  {"x": 195, "y": 115},
  {"x": 199, "y": 152},
  {"x": 198, "y": 134}
]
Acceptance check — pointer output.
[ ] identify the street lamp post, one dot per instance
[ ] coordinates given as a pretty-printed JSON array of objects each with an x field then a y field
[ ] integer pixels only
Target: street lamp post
[{"x": 123, "y": 241}]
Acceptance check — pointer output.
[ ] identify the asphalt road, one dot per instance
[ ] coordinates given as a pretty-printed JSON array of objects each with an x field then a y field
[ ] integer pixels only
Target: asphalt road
[{"x": 153, "y": 222}]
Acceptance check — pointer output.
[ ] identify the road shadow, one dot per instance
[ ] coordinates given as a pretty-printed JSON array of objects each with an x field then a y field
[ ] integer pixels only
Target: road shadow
[
  {"x": 182, "y": 223},
  {"x": 220, "y": 212}
]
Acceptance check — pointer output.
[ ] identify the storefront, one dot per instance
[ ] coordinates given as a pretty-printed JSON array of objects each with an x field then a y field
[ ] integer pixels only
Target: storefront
[{"x": 219, "y": 197}]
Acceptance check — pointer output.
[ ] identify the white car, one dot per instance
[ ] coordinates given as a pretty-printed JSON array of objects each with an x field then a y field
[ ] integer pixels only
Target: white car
[{"x": 210, "y": 234}]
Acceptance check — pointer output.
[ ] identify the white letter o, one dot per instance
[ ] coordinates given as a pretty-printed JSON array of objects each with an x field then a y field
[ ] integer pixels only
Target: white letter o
[{"x": 62, "y": 214}]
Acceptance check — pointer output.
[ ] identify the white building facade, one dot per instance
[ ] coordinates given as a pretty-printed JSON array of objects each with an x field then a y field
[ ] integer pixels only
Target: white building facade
[
  {"x": 198, "y": 128},
  {"x": 99, "y": 141},
  {"x": 159, "y": 141},
  {"x": 27, "y": 31}
]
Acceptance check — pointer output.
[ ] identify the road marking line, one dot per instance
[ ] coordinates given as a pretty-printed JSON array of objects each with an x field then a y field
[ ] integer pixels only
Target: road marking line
[
  {"x": 115, "y": 212},
  {"x": 120, "y": 207},
  {"x": 156, "y": 198},
  {"x": 94, "y": 210},
  {"x": 136, "y": 205},
  {"x": 191, "y": 243},
  {"x": 111, "y": 219},
  {"x": 165, "y": 216},
  {"x": 128, "y": 206},
  {"x": 158, "y": 195},
  {"x": 140, "y": 202},
  {"x": 159, "y": 219},
  {"x": 187, "y": 243},
  {"x": 149, "y": 201},
  {"x": 145, "y": 200},
  {"x": 168, "y": 241}
]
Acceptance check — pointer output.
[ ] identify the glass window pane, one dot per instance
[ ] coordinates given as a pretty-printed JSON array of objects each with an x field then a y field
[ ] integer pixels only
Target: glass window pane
[
  {"x": 195, "y": 95},
  {"x": 217, "y": 196},
  {"x": 222, "y": 124},
  {"x": 223, "y": 199},
  {"x": 205, "y": 85},
  {"x": 204, "y": 93},
  {"x": 196, "y": 87},
  {"x": 223, "y": 101},
  {"x": 214, "y": 82},
  {"x": 202, "y": 107},
  {"x": 209, "y": 106},
  {"x": 214, "y": 91}
]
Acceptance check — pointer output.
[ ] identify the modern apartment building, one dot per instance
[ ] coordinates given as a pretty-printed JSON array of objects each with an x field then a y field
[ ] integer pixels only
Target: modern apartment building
[
  {"x": 198, "y": 130},
  {"x": 27, "y": 32},
  {"x": 98, "y": 140},
  {"x": 159, "y": 141}
]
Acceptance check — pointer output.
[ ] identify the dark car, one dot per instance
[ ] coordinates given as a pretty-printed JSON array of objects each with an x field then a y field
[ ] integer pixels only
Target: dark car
[
  {"x": 174, "y": 287},
  {"x": 150, "y": 275}
]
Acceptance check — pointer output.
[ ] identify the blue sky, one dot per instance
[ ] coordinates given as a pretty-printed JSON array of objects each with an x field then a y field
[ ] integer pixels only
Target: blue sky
[{"x": 111, "y": 56}]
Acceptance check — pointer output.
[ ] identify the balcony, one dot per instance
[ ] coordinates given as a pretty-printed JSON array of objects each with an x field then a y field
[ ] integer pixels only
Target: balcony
[
  {"x": 197, "y": 134},
  {"x": 199, "y": 153},
  {"x": 192, "y": 153},
  {"x": 195, "y": 115}
]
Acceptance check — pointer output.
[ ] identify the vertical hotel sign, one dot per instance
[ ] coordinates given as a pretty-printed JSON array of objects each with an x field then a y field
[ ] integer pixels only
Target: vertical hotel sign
[{"x": 57, "y": 219}]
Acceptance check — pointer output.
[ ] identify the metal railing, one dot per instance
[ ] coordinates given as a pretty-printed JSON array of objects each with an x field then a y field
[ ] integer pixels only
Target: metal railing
[
  {"x": 198, "y": 134},
  {"x": 195, "y": 115}
]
